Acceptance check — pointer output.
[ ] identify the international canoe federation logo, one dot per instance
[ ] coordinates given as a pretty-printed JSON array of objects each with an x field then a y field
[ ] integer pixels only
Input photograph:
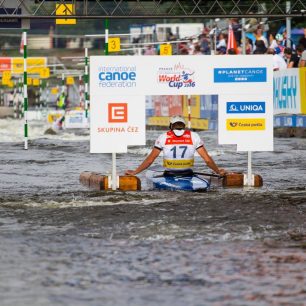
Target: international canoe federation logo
[
  {"x": 177, "y": 76},
  {"x": 117, "y": 112},
  {"x": 245, "y": 107},
  {"x": 240, "y": 75},
  {"x": 117, "y": 76},
  {"x": 246, "y": 124}
]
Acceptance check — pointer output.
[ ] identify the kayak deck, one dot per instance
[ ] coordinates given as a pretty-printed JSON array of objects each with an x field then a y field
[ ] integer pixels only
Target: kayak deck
[{"x": 191, "y": 182}]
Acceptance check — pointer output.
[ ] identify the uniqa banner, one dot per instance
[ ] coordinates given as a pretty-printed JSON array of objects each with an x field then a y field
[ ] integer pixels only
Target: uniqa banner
[{"x": 243, "y": 84}]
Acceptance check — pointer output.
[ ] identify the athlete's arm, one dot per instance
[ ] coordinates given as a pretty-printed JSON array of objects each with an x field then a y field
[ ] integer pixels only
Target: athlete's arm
[
  {"x": 209, "y": 161},
  {"x": 146, "y": 163}
]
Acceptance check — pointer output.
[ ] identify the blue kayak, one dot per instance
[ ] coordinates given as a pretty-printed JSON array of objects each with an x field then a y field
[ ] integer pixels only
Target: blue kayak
[{"x": 158, "y": 178}]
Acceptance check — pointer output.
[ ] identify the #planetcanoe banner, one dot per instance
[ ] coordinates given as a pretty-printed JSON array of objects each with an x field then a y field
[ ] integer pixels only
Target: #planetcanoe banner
[{"x": 243, "y": 84}]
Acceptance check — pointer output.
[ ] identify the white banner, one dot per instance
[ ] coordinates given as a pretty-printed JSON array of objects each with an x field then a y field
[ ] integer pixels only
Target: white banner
[
  {"x": 246, "y": 120},
  {"x": 244, "y": 83},
  {"x": 116, "y": 122}
]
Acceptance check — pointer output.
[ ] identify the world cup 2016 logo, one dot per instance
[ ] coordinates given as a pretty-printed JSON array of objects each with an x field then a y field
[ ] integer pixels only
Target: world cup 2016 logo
[{"x": 117, "y": 112}]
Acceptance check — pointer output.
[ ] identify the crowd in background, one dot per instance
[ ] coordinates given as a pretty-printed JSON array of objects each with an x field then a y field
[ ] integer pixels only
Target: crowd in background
[{"x": 285, "y": 53}]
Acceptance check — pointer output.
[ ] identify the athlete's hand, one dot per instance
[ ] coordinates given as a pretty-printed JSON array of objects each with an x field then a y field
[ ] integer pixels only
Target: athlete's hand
[
  {"x": 222, "y": 172},
  {"x": 130, "y": 172}
]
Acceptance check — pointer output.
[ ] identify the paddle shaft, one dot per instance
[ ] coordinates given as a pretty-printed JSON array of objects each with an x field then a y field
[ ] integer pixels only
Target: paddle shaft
[
  {"x": 208, "y": 174},
  {"x": 197, "y": 173}
]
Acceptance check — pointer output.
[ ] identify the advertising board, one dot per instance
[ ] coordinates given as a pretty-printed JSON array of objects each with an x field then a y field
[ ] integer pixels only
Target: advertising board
[{"x": 243, "y": 85}]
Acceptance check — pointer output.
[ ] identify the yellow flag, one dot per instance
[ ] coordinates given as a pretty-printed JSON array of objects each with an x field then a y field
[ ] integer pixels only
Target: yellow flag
[
  {"x": 166, "y": 49},
  {"x": 44, "y": 73},
  {"x": 54, "y": 90},
  {"x": 70, "y": 80},
  {"x": 35, "y": 82},
  {"x": 6, "y": 74}
]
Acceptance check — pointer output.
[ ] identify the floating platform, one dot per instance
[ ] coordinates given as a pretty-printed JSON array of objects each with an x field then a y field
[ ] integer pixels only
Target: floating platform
[
  {"x": 240, "y": 180},
  {"x": 99, "y": 181}
]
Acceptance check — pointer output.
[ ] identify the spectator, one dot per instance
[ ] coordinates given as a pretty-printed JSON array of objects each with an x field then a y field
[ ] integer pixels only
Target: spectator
[
  {"x": 197, "y": 50},
  {"x": 272, "y": 41},
  {"x": 279, "y": 38},
  {"x": 278, "y": 62},
  {"x": 302, "y": 41},
  {"x": 149, "y": 50},
  {"x": 292, "y": 59},
  {"x": 302, "y": 62},
  {"x": 170, "y": 36},
  {"x": 287, "y": 42},
  {"x": 190, "y": 46},
  {"x": 221, "y": 45},
  {"x": 299, "y": 50},
  {"x": 231, "y": 51},
  {"x": 248, "y": 46},
  {"x": 204, "y": 43},
  {"x": 260, "y": 47},
  {"x": 259, "y": 36},
  {"x": 183, "y": 49}
]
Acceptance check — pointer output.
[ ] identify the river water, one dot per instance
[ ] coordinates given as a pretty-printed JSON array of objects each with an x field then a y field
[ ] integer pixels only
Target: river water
[{"x": 62, "y": 244}]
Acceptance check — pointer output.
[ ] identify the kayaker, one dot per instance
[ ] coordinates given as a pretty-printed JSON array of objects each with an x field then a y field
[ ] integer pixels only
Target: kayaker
[
  {"x": 179, "y": 146},
  {"x": 61, "y": 101}
]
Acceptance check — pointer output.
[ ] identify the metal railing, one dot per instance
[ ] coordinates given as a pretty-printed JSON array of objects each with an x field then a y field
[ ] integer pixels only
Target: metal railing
[{"x": 94, "y": 9}]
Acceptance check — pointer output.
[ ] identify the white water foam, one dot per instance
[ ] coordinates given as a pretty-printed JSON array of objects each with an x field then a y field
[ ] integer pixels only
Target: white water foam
[{"x": 12, "y": 130}]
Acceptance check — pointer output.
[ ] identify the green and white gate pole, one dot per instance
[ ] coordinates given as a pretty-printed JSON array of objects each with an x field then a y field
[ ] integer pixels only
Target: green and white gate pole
[
  {"x": 25, "y": 89},
  {"x": 86, "y": 84},
  {"x": 114, "y": 172}
]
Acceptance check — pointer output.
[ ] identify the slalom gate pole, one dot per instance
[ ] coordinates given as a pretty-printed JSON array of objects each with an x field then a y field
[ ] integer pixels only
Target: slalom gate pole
[
  {"x": 114, "y": 172},
  {"x": 25, "y": 90},
  {"x": 250, "y": 183},
  {"x": 40, "y": 94},
  {"x": 86, "y": 77},
  {"x": 20, "y": 104},
  {"x": 63, "y": 84},
  {"x": 189, "y": 110},
  {"x": 249, "y": 174},
  {"x": 81, "y": 91}
]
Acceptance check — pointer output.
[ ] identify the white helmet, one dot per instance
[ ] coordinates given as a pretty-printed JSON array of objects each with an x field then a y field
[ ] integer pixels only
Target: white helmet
[
  {"x": 279, "y": 37},
  {"x": 175, "y": 119}
]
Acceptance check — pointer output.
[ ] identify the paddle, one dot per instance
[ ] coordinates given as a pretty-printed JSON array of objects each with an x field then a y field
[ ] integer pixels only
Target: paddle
[
  {"x": 197, "y": 173},
  {"x": 209, "y": 174}
]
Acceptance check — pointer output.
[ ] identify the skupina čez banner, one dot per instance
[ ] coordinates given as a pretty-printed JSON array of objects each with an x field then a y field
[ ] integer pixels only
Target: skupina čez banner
[{"x": 119, "y": 84}]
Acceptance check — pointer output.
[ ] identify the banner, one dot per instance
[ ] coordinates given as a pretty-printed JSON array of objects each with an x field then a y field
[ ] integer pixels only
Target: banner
[
  {"x": 34, "y": 65},
  {"x": 116, "y": 122},
  {"x": 242, "y": 80},
  {"x": 286, "y": 91},
  {"x": 5, "y": 64}
]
